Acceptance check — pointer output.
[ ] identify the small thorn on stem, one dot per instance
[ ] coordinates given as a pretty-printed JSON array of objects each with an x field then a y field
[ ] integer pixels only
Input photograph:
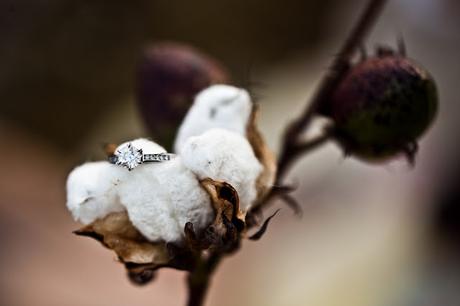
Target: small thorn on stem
[
  {"x": 401, "y": 46},
  {"x": 346, "y": 152},
  {"x": 362, "y": 52},
  {"x": 410, "y": 151}
]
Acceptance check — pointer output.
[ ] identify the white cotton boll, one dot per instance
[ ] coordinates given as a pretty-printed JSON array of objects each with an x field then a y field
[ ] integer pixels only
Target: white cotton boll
[
  {"x": 147, "y": 146},
  {"x": 226, "y": 156},
  {"x": 92, "y": 191},
  {"x": 161, "y": 197},
  {"x": 218, "y": 106}
]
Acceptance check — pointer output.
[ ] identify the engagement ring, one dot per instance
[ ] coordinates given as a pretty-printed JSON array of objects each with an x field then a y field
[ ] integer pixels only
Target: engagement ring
[{"x": 130, "y": 157}]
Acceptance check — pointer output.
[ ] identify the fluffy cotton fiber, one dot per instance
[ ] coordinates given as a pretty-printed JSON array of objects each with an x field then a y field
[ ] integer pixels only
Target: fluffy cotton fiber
[
  {"x": 161, "y": 197},
  {"x": 92, "y": 188},
  {"x": 218, "y": 106},
  {"x": 226, "y": 156},
  {"x": 92, "y": 191},
  {"x": 147, "y": 146}
]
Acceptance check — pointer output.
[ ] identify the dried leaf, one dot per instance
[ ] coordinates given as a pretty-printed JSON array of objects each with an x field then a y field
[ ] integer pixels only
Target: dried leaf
[
  {"x": 223, "y": 233},
  {"x": 263, "y": 228},
  {"x": 264, "y": 155},
  {"x": 224, "y": 199},
  {"x": 116, "y": 232}
]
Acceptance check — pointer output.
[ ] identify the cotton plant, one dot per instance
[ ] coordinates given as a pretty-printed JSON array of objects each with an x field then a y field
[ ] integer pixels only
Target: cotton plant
[
  {"x": 189, "y": 208},
  {"x": 201, "y": 194}
]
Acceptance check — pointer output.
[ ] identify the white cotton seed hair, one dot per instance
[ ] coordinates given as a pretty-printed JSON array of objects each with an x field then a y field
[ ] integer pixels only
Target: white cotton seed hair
[
  {"x": 92, "y": 191},
  {"x": 147, "y": 146},
  {"x": 161, "y": 197},
  {"x": 226, "y": 156},
  {"x": 218, "y": 106}
]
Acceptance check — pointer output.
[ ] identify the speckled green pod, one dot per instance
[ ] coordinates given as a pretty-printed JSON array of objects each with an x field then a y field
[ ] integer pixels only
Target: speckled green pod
[{"x": 382, "y": 106}]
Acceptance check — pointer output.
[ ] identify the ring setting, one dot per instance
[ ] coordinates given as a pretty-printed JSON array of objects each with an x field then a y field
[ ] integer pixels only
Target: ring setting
[{"x": 130, "y": 157}]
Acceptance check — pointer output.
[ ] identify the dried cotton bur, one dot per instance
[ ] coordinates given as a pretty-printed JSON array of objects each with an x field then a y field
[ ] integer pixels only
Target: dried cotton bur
[{"x": 166, "y": 214}]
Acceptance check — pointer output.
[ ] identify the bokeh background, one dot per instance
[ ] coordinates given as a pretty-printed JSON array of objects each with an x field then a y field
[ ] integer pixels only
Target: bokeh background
[{"x": 370, "y": 235}]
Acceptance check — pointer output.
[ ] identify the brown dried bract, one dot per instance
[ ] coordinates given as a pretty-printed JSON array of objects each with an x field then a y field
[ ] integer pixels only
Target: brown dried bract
[
  {"x": 117, "y": 233},
  {"x": 224, "y": 199},
  {"x": 224, "y": 233},
  {"x": 109, "y": 149},
  {"x": 264, "y": 155},
  {"x": 142, "y": 257}
]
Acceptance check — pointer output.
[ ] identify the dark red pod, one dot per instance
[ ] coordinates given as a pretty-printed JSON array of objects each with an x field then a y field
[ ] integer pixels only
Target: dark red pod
[
  {"x": 382, "y": 106},
  {"x": 168, "y": 78}
]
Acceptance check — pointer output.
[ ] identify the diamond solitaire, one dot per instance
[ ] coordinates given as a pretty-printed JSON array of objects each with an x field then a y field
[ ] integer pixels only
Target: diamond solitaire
[{"x": 130, "y": 157}]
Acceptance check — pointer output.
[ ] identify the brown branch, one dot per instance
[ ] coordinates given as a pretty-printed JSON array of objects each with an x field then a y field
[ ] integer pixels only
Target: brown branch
[
  {"x": 198, "y": 280},
  {"x": 337, "y": 71},
  {"x": 297, "y": 149},
  {"x": 284, "y": 164}
]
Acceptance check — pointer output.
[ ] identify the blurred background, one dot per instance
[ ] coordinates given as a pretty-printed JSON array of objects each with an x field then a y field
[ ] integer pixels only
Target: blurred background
[{"x": 370, "y": 235}]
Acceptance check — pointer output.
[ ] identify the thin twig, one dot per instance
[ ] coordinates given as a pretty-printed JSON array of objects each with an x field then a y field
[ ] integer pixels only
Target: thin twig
[
  {"x": 341, "y": 63},
  {"x": 337, "y": 71},
  {"x": 299, "y": 149},
  {"x": 198, "y": 280},
  {"x": 284, "y": 165}
]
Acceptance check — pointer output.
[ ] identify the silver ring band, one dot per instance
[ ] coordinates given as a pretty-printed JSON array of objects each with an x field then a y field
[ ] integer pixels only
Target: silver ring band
[
  {"x": 130, "y": 157},
  {"x": 160, "y": 157}
]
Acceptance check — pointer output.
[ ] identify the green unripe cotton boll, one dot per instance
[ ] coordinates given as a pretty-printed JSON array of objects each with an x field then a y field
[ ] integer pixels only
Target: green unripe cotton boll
[{"x": 382, "y": 106}]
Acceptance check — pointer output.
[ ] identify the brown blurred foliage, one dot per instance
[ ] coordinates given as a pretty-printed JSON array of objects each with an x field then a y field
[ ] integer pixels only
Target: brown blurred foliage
[{"x": 66, "y": 62}]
